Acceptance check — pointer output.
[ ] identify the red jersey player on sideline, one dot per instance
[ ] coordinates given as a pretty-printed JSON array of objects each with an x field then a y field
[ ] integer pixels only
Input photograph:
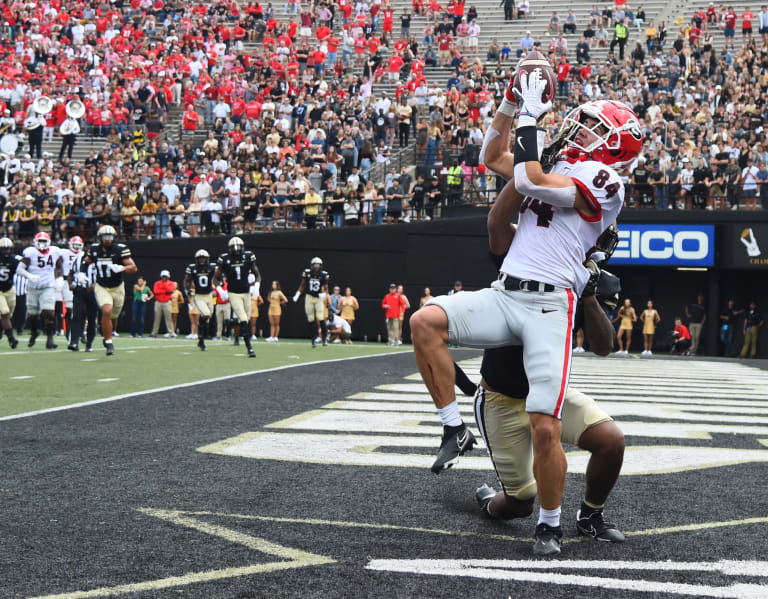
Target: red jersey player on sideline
[{"x": 562, "y": 213}]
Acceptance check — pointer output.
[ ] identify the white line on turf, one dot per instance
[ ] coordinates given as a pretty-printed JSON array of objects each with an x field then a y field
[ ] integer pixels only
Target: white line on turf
[
  {"x": 185, "y": 385},
  {"x": 22, "y": 377},
  {"x": 107, "y": 380}
]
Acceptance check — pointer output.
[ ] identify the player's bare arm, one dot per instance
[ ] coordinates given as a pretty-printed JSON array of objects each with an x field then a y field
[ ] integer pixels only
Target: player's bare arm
[
  {"x": 130, "y": 266},
  {"x": 504, "y": 211},
  {"x": 188, "y": 284},
  {"x": 217, "y": 277},
  {"x": 598, "y": 327}
]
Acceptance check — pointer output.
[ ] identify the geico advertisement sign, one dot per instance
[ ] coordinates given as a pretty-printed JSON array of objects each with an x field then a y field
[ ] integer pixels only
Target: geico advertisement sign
[{"x": 670, "y": 245}]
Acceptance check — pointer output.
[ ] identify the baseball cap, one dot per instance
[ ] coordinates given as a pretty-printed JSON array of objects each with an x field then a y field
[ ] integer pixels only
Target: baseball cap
[
  {"x": 457, "y": 283},
  {"x": 165, "y": 273},
  {"x": 392, "y": 286}
]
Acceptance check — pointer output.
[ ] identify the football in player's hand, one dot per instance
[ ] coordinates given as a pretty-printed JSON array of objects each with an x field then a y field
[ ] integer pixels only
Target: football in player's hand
[{"x": 528, "y": 64}]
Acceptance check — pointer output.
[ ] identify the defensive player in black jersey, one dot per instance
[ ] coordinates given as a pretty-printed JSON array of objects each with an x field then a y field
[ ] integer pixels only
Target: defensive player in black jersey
[
  {"x": 198, "y": 282},
  {"x": 236, "y": 265},
  {"x": 8, "y": 264},
  {"x": 111, "y": 260},
  {"x": 315, "y": 281}
]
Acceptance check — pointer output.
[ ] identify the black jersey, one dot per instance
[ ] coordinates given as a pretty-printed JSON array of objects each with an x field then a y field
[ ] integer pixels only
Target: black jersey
[
  {"x": 202, "y": 277},
  {"x": 314, "y": 281},
  {"x": 236, "y": 270},
  {"x": 8, "y": 266},
  {"x": 104, "y": 258}
]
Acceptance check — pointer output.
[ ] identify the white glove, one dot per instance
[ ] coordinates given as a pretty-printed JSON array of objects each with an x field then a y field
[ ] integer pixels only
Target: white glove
[
  {"x": 296, "y": 296},
  {"x": 753, "y": 249},
  {"x": 81, "y": 278},
  {"x": 531, "y": 88},
  {"x": 33, "y": 278},
  {"x": 321, "y": 296},
  {"x": 117, "y": 268}
]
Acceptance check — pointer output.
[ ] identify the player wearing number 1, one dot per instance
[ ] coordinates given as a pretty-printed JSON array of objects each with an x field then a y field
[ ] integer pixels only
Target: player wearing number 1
[
  {"x": 198, "y": 281},
  {"x": 314, "y": 280},
  {"x": 111, "y": 260},
  {"x": 236, "y": 265},
  {"x": 562, "y": 213}
]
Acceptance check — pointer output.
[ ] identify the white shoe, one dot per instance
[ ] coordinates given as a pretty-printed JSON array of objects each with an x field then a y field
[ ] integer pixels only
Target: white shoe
[
  {"x": 644, "y": 352},
  {"x": 191, "y": 336},
  {"x": 115, "y": 334},
  {"x": 626, "y": 352},
  {"x": 650, "y": 353},
  {"x": 578, "y": 350},
  {"x": 399, "y": 342},
  {"x": 317, "y": 339},
  {"x": 336, "y": 341},
  {"x": 275, "y": 339},
  {"x": 167, "y": 335},
  {"x": 254, "y": 338}
]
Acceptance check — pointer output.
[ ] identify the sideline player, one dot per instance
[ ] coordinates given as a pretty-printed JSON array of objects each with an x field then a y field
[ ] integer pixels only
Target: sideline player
[
  {"x": 111, "y": 260},
  {"x": 198, "y": 283},
  {"x": 68, "y": 257},
  {"x": 236, "y": 264},
  {"x": 315, "y": 280},
  {"x": 8, "y": 264},
  {"x": 561, "y": 216},
  {"x": 82, "y": 280},
  {"x": 42, "y": 263}
]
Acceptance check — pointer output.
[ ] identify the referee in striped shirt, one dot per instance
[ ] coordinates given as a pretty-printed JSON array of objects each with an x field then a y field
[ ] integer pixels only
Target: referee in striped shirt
[
  {"x": 82, "y": 278},
  {"x": 20, "y": 284}
]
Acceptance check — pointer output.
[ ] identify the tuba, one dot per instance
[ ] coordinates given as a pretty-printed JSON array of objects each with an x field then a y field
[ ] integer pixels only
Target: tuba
[
  {"x": 75, "y": 109},
  {"x": 42, "y": 105},
  {"x": 69, "y": 127}
]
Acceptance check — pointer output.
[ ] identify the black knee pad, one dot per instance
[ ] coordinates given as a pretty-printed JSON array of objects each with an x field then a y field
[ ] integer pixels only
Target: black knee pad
[
  {"x": 48, "y": 317},
  {"x": 245, "y": 330}
]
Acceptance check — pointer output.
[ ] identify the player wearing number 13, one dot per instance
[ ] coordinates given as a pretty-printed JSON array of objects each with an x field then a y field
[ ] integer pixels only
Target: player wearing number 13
[
  {"x": 111, "y": 260},
  {"x": 314, "y": 280},
  {"x": 562, "y": 213},
  {"x": 236, "y": 265}
]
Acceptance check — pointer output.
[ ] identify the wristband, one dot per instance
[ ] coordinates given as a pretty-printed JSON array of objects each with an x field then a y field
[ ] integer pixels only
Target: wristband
[{"x": 526, "y": 145}]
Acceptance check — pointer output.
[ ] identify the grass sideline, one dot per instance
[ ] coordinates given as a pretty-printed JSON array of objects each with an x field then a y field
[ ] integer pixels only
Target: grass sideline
[{"x": 36, "y": 379}]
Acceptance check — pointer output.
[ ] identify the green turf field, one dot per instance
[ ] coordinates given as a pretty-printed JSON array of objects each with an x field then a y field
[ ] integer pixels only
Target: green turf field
[{"x": 36, "y": 379}]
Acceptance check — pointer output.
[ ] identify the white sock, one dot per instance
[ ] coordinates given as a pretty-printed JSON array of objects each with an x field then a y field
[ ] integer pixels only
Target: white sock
[
  {"x": 449, "y": 415},
  {"x": 550, "y": 517}
]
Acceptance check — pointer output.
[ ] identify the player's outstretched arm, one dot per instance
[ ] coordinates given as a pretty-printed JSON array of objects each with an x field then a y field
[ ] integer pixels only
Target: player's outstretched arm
[
  {"x": 130, "y": 266},
  {"x": 505, "y": 209},
  {"x": 598, "y": 327},
  {"x": 217, "y": 276}
]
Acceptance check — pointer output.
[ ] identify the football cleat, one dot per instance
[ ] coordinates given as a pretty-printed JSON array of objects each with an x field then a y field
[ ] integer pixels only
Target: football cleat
[
  {"x": 32, "y": 338},
  {"x": 456, "y": 440},
  {"x": 594, "y": 526},
  {"x": 484, "y": 495},
  {"x": 110, "y": 347},
  {"x": 13, "y": 342},
  {"x": 548, "y": 539},
  {"x": 73, "y": 347},
  {"x": 251, "y": 353},
  {"x": 314, "y": 343},
  {"x": 49, "y": 344},
  {"x": 201, "y": 343}
]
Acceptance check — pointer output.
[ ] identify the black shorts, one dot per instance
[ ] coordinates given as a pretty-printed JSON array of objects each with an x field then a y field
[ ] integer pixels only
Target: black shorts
[
  {"x": 250, "y": 214},
  {"x": 394, "y": 213},
  {"x": 745, "y": 31}
]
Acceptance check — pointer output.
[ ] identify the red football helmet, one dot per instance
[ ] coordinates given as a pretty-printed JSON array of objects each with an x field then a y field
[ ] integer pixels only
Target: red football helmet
[
  {"x": 76, "y": 243},
  {"x": 42, "y": 242},
  {"x": 619, "y": 138}
]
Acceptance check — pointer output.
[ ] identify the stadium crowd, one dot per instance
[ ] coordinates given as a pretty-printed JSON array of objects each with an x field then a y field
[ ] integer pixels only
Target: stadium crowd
[{"x": 280, "y": 121}]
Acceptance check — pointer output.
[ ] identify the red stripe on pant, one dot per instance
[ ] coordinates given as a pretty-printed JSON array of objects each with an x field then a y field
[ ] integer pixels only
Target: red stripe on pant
[{"x": 567, "y": 360}]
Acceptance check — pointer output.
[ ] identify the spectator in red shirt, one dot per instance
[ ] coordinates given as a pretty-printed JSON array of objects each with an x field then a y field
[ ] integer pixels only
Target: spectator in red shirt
[
  {"x": 729, "y": 29},
  {"x": 394, "y": 65},
  {"x": 163, "y": 290},
  {"x": 563, "y": 73},
  {"x": 393, "y": 304},
  {"x": 746, "y": 27},
  {"x": 681, "y": 338}
]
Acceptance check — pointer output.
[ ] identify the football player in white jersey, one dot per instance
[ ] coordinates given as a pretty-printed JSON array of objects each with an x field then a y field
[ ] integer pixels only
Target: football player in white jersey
[
  {"x": 561, "y": 215},
  {"x": 41, "y": 264},
  {"x": 68, "y": 257}
]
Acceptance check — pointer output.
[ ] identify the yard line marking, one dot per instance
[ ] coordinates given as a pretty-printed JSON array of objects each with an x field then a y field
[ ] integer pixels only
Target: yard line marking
[
  {"x": 296, "y": 558},
  {"x": 184, "y": 386},
  {"x": 22, "y": 377},
  {"x": 89, "y": 360},
  {"x": 64, "y": 351},
  {"x": 106, "y": 380}
]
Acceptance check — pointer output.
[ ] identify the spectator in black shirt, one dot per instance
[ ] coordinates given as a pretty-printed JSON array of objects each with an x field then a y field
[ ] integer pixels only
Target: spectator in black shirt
[
  {"x": 697, "y": 317},
  {"x": 752, "y": 324},
  {"x": 418, "y": 194},
  {"x": 395, "y": 199},
  {"x": 582, "y": 51},
  {"x": 727, "y": 325}
]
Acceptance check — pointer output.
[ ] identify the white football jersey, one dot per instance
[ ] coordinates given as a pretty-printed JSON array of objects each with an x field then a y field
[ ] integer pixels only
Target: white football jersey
[
  {"x": 68, "y": 258},
  {"x": 42, "y": 264},
  {"x": 551, "y": 243}
]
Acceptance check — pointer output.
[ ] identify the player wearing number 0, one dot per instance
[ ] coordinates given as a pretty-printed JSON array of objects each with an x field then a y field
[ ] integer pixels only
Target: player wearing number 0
[
  {"x": 41, "y": 264},
  {"x": 533, "y": 301},
  {"x": 198, "y": 281},
  {"x": 237, "y": 264},
  {"x": 111, "y": 259},
  {"x": 315, "y": 281},
  {"x": 8, "y": 265}
]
